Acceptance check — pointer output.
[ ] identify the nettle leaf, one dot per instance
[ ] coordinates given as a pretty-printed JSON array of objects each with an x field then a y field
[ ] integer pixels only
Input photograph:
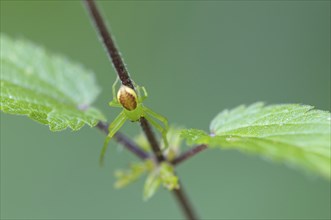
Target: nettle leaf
[
  {"x": 152, "y": 183},
  {"x": 47, "y": 88},
  {"x": 163, "y": 174},
  {"x": 136, "y": 170},
  {"x": 295, "y": 134}
]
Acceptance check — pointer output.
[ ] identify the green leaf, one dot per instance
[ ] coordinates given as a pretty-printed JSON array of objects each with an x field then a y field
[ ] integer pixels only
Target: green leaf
[
  {"x": 151, "y": 185},
  {"x": 168, "y": 176},
  {"x": 126, "y": 177},
  {"x": 47, "y": 88},
  {"x": 163, "y": 174},
  {"x": 295, "y": 134}
]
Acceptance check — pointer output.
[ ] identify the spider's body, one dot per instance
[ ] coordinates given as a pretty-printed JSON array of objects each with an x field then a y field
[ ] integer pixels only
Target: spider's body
[
  {"x": 127, "y": 97},
  {"x": 133, "y": 110}
]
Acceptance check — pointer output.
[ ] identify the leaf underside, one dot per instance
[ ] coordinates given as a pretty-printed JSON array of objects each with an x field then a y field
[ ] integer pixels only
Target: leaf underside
[
  {"x": 295, "y": 134},
  {"x": 47, "y": 88}
]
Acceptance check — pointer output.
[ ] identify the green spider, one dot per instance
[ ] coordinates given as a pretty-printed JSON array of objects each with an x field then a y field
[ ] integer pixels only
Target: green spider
[{"x": 133, "y": 110}]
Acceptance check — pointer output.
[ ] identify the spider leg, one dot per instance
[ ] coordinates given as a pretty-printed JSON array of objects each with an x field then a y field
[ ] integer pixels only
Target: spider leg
[
  {"x": 145, "y": 94},
  {"x": 113, "y": 128},
  {"x": 158, "y": 117},
  {"x": 114, "y": 87},
  {"x": 141, "y": 96},
  {"x": 161, "y": 129},
  {"x": 114, "y": 102}
]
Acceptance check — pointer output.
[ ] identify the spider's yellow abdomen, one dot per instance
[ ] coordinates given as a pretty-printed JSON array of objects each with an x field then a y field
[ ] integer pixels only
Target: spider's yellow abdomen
[{"x": 127, "y": 97}]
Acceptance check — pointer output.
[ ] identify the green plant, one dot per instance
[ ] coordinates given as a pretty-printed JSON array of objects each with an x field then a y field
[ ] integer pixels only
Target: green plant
[{"x": 281, "y": 132}]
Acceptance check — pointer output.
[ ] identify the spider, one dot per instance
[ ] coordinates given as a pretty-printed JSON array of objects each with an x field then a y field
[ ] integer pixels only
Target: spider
[{"x": 133, "y": 110}]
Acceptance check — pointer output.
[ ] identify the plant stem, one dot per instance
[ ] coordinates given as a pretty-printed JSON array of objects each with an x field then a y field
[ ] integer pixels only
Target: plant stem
[
  {"x": 183, "y": 202},
  {"x": 179, "y": 194},
  {"x": 109, "y": 44},
  {"x": 125, "y": 79},
  {"x": 152, "y": 140},
  {"x": 188, "y": 154},
  {"x": 125, "y": 141}
]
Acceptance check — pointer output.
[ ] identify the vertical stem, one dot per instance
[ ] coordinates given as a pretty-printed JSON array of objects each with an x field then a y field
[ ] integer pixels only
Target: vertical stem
[
  {"x": 125, "y": 78},
  {"x": 109, "y": 43},
  {"x": 152, "y": 140},
  {"x": 179, "y": 194},
  {"x": 183, "y": 202}
]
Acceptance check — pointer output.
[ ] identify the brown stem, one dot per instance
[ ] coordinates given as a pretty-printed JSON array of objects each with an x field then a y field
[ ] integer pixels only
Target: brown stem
[
  {"x": 183, "y": 202},
  {"x": 180, "y": 195},
  {"x": 109, "y": 43},
  {"x": 188, "y": 154},
  {"x": 125, "y": 78},
  {"x": 152, "y": 140},
  {"x": 125, "y": 141}
]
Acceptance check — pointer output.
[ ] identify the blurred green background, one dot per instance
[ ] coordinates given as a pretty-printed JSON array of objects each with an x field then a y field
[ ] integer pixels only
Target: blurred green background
[{"x": 195, "y": 58}]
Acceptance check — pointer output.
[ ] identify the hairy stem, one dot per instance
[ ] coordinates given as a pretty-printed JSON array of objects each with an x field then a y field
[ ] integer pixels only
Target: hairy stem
[
  {"x": 125, "y": 79},
  {"x": 179, "y": 194},
  {"x": 183, "y": 202},
  {"x": 109, "y": 44},
  {"x": 152, "y": 140},
  {"x": 125, "y": 141},
  {"x": 188, "y": 154}
]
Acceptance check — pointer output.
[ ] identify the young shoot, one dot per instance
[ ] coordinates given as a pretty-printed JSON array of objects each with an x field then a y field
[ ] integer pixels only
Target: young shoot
[{"x": 133, "y": 110}]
